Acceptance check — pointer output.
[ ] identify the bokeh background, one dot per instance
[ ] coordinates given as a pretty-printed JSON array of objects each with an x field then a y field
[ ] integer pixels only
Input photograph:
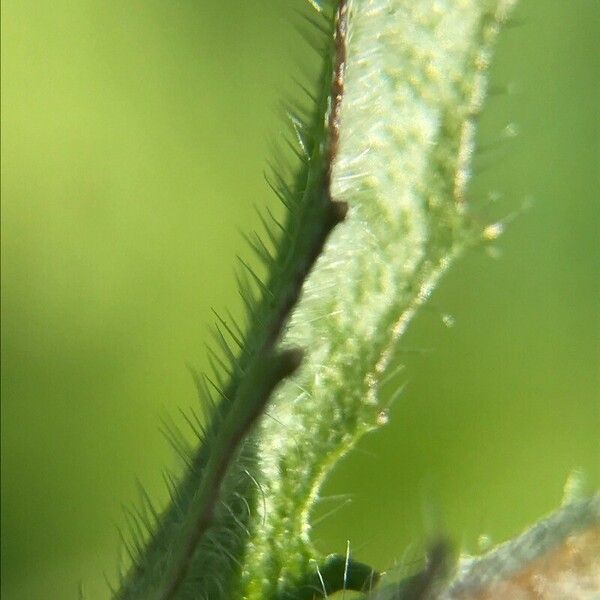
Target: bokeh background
[{"x": 134, "y": 139}]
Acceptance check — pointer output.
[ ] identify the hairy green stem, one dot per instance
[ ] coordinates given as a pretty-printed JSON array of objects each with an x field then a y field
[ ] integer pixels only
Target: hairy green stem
[
  {"x": 389, "y": 139},
  {"x": 161, "y": 569}
]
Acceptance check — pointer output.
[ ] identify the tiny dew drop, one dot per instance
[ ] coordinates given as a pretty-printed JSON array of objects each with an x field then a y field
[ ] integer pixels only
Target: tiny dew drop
[
  {"x": 448, "y": 320},
  {"x": 484, "y": 542},
  {"x": 510, "y": 131},
  {"x": 383, "y": 418},
  {"x": 493, "y": 231}
]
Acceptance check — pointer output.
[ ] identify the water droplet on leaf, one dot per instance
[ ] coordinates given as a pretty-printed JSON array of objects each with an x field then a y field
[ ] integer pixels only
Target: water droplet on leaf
[{"x": 448, "y": 320}]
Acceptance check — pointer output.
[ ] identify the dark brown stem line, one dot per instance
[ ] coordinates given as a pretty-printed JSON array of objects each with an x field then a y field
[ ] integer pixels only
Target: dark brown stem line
[
  {"x": 337, "y": 87},
  {"x": 238, "y": 424}
]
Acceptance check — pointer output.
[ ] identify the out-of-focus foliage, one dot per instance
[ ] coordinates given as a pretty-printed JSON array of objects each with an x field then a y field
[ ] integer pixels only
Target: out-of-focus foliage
[{"x": 134, "y": 138}]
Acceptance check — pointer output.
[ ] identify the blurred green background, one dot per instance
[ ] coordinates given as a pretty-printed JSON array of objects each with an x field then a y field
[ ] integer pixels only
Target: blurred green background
[{"x": 134, "y": 139}]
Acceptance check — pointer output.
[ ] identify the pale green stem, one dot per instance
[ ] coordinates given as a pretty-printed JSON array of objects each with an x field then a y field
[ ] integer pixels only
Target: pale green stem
[{"x": 414, "y": 86}]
